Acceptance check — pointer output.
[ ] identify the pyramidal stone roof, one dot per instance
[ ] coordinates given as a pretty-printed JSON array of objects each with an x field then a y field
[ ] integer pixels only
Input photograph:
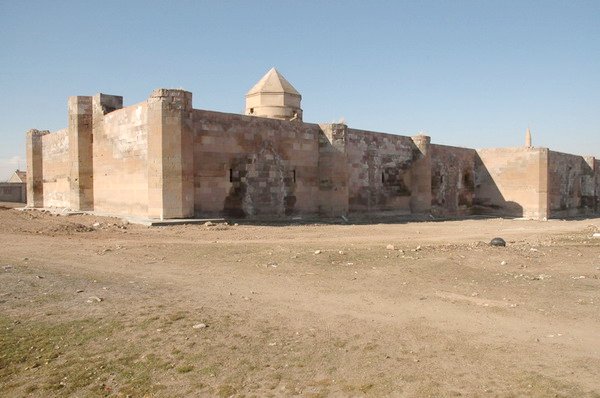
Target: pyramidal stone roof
[{"x": 273, "y": 82}]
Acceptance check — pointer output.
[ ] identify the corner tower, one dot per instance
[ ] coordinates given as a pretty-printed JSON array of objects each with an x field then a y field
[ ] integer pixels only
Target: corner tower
[{"x": 274, "y": 97}]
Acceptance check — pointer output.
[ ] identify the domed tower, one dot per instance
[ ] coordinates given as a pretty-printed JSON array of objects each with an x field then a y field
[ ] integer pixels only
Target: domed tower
[{"x": 274, "y": 97}]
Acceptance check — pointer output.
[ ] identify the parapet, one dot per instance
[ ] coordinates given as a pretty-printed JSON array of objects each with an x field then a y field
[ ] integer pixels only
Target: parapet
[
  {"x": 105, "y": 103},
  {"x": 176, "y": 98},
  {"x": 37, "y": 133}
]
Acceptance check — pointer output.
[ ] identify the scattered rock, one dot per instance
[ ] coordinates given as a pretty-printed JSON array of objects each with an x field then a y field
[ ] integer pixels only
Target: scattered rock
[
  {"x": 317, "y": 251},
  {"x": 209, "y": 224},
  {"x": 79, "y": 291},
  {"x": 200, "y": 326},
  {"x": 498, "y": 242},
  {"x": 390, "y": 247},
  {"x": 503, "y": 262},
  {"x": 7, "y": 267},
  {"x": 540, "y": 277},
  {"x": 94, "y": 299},
  {"x": 341, "y": 252},
  {"x": 596, "y": 235},
  {"x": 96, "y": 224}
]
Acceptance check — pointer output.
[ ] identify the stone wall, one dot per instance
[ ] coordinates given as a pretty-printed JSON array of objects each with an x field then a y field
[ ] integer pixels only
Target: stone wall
[
  {"x": 13, "y": 192},
  {"x": 120, "y": 161},
  {"x": 163, "y": 159},
  {"x": 250, "y": 166},
  {"x": 452, "y": 180},
  {"x": 56, "y": 169},
  {"x": 333, "y": 170},
  {"x": 80, "y": 130},
  {"x": 571, "y": 185},
  {"x": 379, "y": 172},
  {"x": 512, "y": 182},
  {"x": 597, "y": 184}
]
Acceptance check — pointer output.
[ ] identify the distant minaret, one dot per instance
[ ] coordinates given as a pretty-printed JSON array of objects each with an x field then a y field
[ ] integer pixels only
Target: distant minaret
[{"x": 528, "y": 138}]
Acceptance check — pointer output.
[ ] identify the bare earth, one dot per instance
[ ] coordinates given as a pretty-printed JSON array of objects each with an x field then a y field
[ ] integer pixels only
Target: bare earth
[{"x": 110, "y": 310}]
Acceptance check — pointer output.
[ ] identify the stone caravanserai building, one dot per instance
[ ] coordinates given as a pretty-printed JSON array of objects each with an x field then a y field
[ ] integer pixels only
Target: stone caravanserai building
[{"x": 162, "y": 159}]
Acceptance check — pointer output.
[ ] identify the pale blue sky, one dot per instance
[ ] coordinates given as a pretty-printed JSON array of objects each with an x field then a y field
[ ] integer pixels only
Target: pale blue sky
[{"x": 468, "y": 73}]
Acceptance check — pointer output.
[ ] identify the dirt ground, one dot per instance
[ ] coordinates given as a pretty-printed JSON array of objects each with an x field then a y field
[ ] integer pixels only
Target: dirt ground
[{"x": 92, "y": 306}]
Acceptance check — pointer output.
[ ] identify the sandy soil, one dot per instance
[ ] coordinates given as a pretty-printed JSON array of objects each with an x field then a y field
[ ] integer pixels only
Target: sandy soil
[{"x": 90, "y": 306}]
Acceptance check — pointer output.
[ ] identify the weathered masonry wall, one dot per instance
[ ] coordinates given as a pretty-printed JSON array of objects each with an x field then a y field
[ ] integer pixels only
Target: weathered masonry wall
[
  {"x": 333, "y": 170},
  {"x": 170, "y": 154},
  {"x": 597, "y": 179},
  {"x": 572, "y": 185},
  {"x": 163, "y": 159},
  {"x": 379, "y": 171},
  {"x": 56, "y": 169},
  {"x": 13, "y": 192},
  {"x": 452, "y": 180},
  {"x": 81, "y": 185},
  {"x": 512, "y": 182},
  {"x": 120, "y": 160},
  {"x": 250, "y": 166}
]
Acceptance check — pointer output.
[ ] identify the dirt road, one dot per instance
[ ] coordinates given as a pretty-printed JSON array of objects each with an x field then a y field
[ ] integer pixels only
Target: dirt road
[{"x": 94, "y": 307}]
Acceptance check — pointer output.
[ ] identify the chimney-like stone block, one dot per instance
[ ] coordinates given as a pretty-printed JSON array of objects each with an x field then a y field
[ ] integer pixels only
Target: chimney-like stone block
[
  {"x": 543, "y": 189},
  {"x": 170, "y": 154},
  {"x": 420, "y": 199},
  {"x": 81, "y": 180},
  {"x": 333, "y": 170},
  {"x": 35, "y": 168}
]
